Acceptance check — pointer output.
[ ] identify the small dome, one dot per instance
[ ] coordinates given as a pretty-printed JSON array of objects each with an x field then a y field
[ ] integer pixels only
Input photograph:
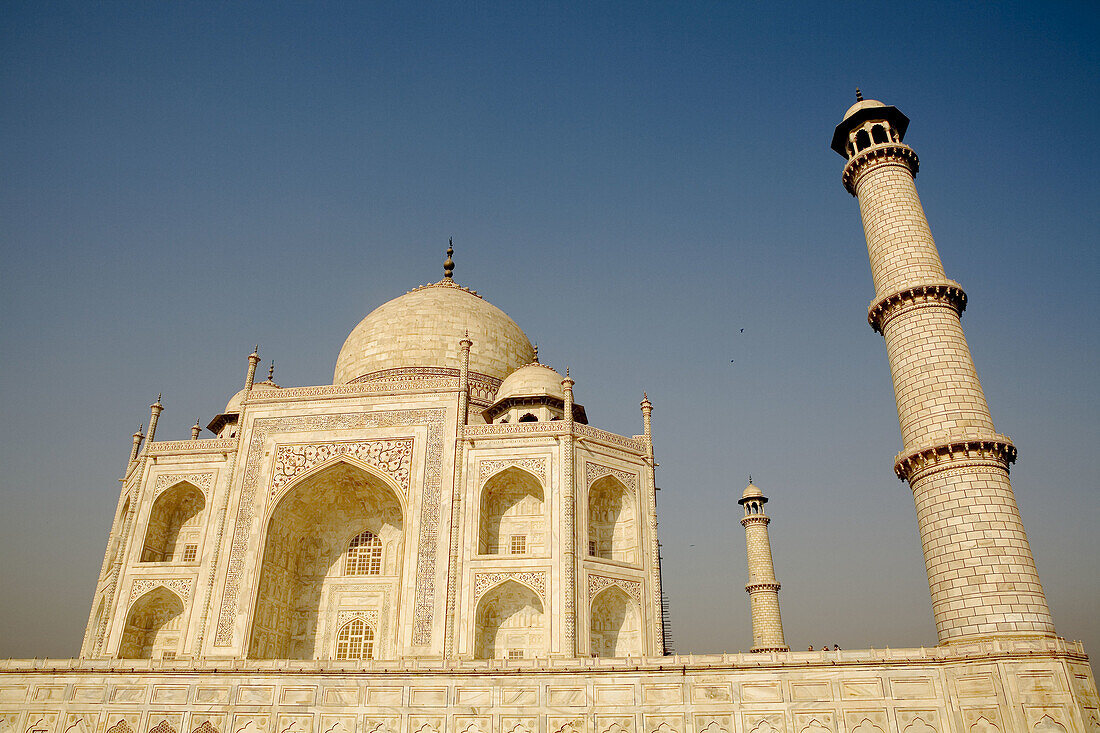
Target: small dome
[
  {"x": 862, "y": 104},
  {"x": 422, "y": 328},
  {"x": 532, "y": 380},
  {"x": 235, "y": 402},
  {"x": 752, "y": 492}
]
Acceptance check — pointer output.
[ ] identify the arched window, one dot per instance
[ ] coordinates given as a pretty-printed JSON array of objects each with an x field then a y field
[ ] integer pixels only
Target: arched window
[
  {"x": 878, "y": 134},
  {"x": 528, "y": 417},
  {"x": 152, "y": 626},
  {"x": 355, "y": 640},
  {"x": 511, "y": 507},
  {"x": 616, "y": 625},
  {"x": 510, "y": 623},
  {"x": 863, "y": 140},
  {"x": 364, "y": 555},
  {"x": 175, "y": 519},
  {"x": 612, "y": 521}
]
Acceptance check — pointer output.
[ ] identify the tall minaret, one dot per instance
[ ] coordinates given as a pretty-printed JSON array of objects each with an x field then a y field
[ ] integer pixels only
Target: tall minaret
[
  {"x": 763, "y": 588},
  {"x": 980, "y": 569}
]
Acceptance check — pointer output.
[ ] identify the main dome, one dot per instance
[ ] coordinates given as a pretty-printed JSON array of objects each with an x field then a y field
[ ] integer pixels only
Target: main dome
[{"x": 422, "y": 328}]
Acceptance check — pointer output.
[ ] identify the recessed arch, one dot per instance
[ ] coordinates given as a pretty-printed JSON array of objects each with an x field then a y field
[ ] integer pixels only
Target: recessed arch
[
  {"x": 174, "y": 522},
  {"x": 615, "y": 624},
  {"x": 512, "y": 506},
  {"x": 309, "y": 534},
  {"x": 612, "y": 521},
  {"x": 878, "y": 134},
  {"x": 152, "y": 628},
  {"x": 510, "y": 622}
]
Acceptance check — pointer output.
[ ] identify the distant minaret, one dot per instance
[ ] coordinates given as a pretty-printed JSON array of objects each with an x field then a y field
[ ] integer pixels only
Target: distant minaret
[
  {"x": 980, "y": 569},
  {"x": 763, "y": 588}
]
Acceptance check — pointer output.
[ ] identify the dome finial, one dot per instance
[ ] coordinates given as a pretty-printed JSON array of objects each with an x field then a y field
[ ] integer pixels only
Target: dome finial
[
  {"x": 271, "y": 371},
  {"x": 449, "y": 264},
  {"x": 859, "y": 95},
  {"x": 536, "y": 353},
  {"x": 750, "y": 478}
]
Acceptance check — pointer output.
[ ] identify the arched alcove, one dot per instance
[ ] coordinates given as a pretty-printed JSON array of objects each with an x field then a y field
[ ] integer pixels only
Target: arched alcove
[
  {"x": 174, "y": 522},
  {"x": 152, "y": 626},
  {"x": 612, "y": 521},
  {"x": 878, "y": 134},
  {"x": 510, "y": 623},
  {"x": 513, "y": 519},
  {"x": 863, "y": 140},
  {"x": 616, "y": 624},
  {"x": 335, "y": 541}
]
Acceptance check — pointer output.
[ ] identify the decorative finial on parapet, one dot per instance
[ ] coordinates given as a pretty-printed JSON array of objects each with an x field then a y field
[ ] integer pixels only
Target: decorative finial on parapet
[
  {"x": 859, "y": 95},
  {"x": 154, "y": 414},
  {"x": 195, "y": 430},
  {"x": 137, "y": 443},
  {"x": 536, "y": 353},
  {"x": 253, "y": 362},
  {"x": 449, "y": 264},
  {"x": 466, "y": 343},
  {"x": 271, "y": 372},
  {"x": 567, "y": 372}
]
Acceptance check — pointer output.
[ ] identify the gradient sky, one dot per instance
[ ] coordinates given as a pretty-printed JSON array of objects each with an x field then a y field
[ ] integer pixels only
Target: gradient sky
[{"x": 633, "y": 183}]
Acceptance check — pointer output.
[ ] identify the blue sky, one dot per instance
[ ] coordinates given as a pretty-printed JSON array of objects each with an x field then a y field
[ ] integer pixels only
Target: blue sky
[{"x": 633, "y": 183}]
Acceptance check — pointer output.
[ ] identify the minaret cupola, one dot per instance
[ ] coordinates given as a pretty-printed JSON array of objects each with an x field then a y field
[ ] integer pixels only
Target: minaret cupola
[{"x": 866, "y": 124}]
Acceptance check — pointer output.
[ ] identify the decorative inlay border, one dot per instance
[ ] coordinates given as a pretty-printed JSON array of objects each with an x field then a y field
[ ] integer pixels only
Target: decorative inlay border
[
  {"x": 207, "y": 445},
  {"x": 593, "y": 471},
  {"x": 533, "y": 579},
  {"x": 596, "y": 583},
  {"x": 369, "y": 617},
  {"x": 202, "y": 481},
  {"x": 590, "y": 432},
  {"x": 391, "y": 456},
  {"x": 179, "y": 586},
  {"x": 424, "y": 591},
  {"x": 536, "y": 466}
]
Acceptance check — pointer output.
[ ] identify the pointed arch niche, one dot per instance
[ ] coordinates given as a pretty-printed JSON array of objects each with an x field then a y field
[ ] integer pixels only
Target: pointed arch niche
[
  {"x": 511, "y": 623},
  {"x": 612, "y": 521},
  {"x": 152, "y": 626},
  {"x": 512, "y": 507},
  {"x": 616, "y": 624},
  {"x": 308, "y": 574},
  {"x": 174, "y": 522}
]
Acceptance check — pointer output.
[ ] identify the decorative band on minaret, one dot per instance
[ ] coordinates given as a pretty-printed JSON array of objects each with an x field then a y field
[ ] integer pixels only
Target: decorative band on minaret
[
  {"x": 763, "y": 588},
  {"x": 980, "y": 569}
]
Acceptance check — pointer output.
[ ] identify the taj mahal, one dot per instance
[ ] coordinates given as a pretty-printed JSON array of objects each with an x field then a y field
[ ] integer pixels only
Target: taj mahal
[{"x": 439, "y": 541}]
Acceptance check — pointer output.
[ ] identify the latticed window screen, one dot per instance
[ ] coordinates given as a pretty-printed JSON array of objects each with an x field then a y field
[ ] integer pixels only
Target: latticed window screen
[
  {"x": 189, "y": 553},
  {"x": 355, "y": 640},
  {"x": 592, "y": 547},
  {"x": 519, "y": 544},
  {"x": 364, "y": 555},
  {"x": 515, "y": 654}
]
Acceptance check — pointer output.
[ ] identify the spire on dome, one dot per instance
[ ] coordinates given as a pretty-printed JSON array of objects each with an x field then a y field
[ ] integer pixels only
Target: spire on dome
[
  {"x": 449, "y": 264},
  {"x": 537, "y": 354},
  {"x": 859, "y": 95}
]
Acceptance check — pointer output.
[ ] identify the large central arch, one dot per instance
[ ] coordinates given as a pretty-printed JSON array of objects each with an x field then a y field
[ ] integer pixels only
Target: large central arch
[{"x": 311, "y": 571}]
